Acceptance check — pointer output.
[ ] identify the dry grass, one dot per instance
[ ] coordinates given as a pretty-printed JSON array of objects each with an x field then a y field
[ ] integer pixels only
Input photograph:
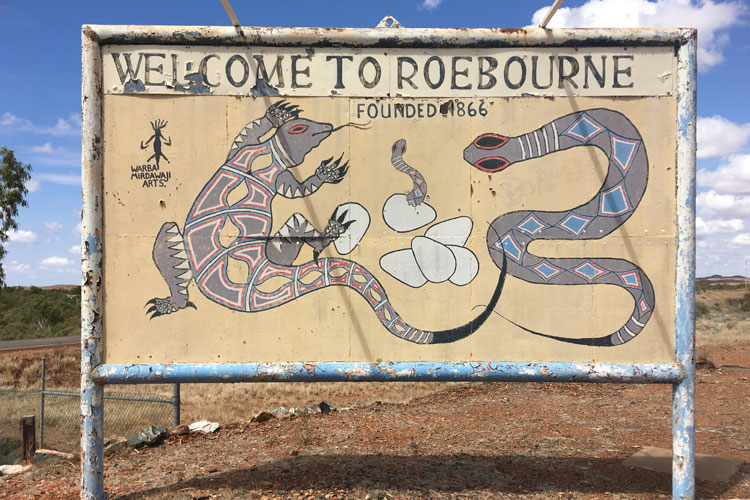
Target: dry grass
[
  {"x": 237, "y": 402},
  {"x": 722, "y": 322},
  {"x": 15, "y": 404},
  {"x": 22, "y": 369}
]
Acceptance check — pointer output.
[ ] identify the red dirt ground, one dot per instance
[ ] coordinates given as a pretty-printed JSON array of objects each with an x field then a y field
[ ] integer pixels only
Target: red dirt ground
[{"x": 487, "y": 440}]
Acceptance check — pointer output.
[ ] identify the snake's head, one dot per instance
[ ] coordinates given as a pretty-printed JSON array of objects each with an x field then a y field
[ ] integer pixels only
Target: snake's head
[
  {"x": 398, "y": 148},
  {"x": 489, "y": 152}
]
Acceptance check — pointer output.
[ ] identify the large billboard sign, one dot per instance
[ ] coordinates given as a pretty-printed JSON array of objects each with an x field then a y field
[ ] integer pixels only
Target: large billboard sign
[
  {"x": 354, "y": 204},
  {"x": 388, "y": 204}
]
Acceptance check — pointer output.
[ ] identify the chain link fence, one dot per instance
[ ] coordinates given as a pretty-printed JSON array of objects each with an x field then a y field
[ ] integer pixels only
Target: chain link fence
[{"x": 128, "y": 409}]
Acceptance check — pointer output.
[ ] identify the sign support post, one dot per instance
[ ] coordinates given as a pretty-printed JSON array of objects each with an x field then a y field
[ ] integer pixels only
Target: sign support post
[
  {"x": 683, "y": 392},
  {"x": 92, "y": 392}
]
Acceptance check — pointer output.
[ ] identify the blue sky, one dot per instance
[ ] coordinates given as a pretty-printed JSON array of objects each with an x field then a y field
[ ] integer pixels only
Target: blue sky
[{"x": 40, "y": 99}]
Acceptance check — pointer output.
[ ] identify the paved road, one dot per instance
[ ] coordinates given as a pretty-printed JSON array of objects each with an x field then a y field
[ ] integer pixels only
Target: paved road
[{"x": 31, "y": 343}]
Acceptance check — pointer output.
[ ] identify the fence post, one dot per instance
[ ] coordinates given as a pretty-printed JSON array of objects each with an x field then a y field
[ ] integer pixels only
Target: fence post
[
  {"x": 175, "y": 405},
  {"x": 41, "y": 409},
  {"x": 28, "y": 432}
]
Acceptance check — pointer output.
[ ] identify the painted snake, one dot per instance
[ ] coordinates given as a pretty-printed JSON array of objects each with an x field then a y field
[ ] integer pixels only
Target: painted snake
[
  {"x": 201, "y": 256},
  {"x": 510, "y": 234},
  {"x": 418, "y": 193}
]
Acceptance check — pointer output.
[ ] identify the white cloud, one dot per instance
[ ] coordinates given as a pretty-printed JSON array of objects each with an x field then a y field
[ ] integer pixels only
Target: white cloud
[
  {"x": 75, "y": 250},
  {"x": 47, "y": 154},
  {"x": 8, "y": 119},
  {"x": 21, "y": 236},
  {"x": 53, "y": 225},
  {"x": 67, "y": 126},
  {"x": 45, "y": 148},
  {"x": 64, "y": 179},
  {"x": 724, "y": 210},
  {"x": 33, "y": 185},
  {"x": 430, "y": 4},
  {"x": 718, "y": 136},
  {"x": 722, "y": 205},
  {"x": 18, "y": 267},
  {"x": 730, "y": 178},
  {"x": 77, "y": 230},
  {"x": 710, "y": 17},
  {"x": 715, "y": 226},
  {"x": 64, "y": 126},
  {"x": 742, "y": 239},
  {"x": 55, "y": 262},
  {"x": 723, "y": 253}
]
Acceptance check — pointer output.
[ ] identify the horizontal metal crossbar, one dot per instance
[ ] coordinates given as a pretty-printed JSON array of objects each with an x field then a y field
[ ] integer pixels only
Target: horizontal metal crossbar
[
  {"x": 396, "y": 371},
  {"x": 402, "y": 37}
]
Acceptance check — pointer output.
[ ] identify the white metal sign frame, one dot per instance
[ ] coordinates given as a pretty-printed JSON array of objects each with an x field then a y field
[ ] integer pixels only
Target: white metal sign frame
[{"x": 94, "y": 374}]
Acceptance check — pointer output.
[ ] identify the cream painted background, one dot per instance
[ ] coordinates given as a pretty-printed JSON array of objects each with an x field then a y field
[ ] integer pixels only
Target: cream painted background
[{"x": 336, "y": 325}]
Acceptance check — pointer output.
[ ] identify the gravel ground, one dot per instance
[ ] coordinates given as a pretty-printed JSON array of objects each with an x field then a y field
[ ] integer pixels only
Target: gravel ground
[{"x": 487, "y": 440}]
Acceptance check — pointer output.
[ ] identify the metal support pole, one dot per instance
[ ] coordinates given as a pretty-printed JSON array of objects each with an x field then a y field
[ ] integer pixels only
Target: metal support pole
[
  {"x": 550, "y": 13},
  {"x": 92, "y": 394},
  {"x": 683, "y": 392},
  {"x": 175, "y": 405},
  {"x": 683, "y": 439},
  {"x": 41, "y": 405},
  {"x": 412, "y": 371},
  {"x": 232, "y": 16}
]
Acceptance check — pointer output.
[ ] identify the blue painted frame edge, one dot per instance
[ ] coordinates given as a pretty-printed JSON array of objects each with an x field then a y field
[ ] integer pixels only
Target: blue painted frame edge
[
  {"x": 388, "y": 371},
  {"x": 683, "y": 392}
]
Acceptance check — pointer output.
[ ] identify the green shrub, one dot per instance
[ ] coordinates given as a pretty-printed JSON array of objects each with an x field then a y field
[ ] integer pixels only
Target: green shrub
[
  {"x": 702, "y": 286},
  {"x": 700, "y": 309},
  {"x": 34, "y": 312}
]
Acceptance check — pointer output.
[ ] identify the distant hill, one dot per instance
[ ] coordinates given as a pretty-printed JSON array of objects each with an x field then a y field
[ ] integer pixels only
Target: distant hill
[
  {"x": 60, "y": 287},
  {"x": 716, "y": 279}
]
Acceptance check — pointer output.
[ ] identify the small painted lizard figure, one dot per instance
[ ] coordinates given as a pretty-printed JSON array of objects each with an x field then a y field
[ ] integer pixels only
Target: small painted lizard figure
[{"x": 157, "y": 125}]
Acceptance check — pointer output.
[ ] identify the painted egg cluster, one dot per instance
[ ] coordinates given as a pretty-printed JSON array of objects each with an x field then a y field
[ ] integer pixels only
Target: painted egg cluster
[{"x": 436, "y": 257}]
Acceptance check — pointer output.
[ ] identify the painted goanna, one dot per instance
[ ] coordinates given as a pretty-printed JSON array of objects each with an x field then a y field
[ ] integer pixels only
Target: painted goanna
[{"x": 199, "y": 254}]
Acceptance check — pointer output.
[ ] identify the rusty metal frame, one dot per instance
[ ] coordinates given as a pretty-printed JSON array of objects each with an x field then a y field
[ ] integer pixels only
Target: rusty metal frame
[{"x": 94, "y": 374}]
